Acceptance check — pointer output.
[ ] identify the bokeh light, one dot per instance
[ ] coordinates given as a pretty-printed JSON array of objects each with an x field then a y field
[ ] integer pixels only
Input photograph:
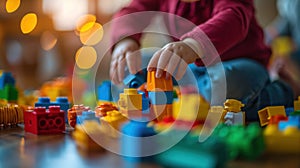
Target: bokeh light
[
  {"x": 85, "y": 23},
  {"x": 48, "y": 40},
  {"x": 12, "y": 5},
  {"x": 86, "y": 57},
  {"x": 93, "y": 35},
  {"x": 28, "y": 23}
]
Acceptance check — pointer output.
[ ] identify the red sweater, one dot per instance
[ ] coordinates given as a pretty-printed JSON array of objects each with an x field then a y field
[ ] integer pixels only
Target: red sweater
[{"x": 230, "y": 25}]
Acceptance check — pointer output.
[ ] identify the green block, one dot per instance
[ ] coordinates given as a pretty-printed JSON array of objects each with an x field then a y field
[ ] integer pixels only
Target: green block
[{"x": 9, "y": 93}]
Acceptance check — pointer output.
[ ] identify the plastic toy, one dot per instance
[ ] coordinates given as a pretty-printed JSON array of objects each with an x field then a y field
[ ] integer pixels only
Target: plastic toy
[
  {"x": 82, "y": 136},
  {"x": 190, "y": 153},
  {"x": 62, "y": 102},
  {"x": 87, "y": 115},
  {"x": 266, "y": 113},
  {"x": 282, "y": 142},
  {"x": 73, "y": 112},
  {"x": 104, "y": 92},
  {"x": 233, "y": 105},
  {"x": 232, "y": 118},
  {"x": 297, "y": 104},
  {"x": 135, "y": 81},
  {"x": 130, "y": 103},
  {"x": 132, "y": 148},
  {"x": 10, "y": 115},
  {"x": 6, "y": 78},
  {"x": 103, "y": 108},
  {"x": 158, "y": 84},
  {"x": 42, "y": 121},
  {"x": 8, "y": 90},
  {"x": 293, "y": 121},
  {"x": 245, "y": 142},
  {"x": 112, "y": 122}
]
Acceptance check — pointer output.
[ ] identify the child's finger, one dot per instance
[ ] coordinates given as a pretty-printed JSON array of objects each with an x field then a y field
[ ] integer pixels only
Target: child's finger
[
  {"x": 181, "y": 69},
  {"x": 138, "y": 61},
  {"x": 173, "y": 64},
  {"x": 154, "y": 60},
  {"x": 112, "y": 71},
  {"x": 121, "y": 67},
  {"x": 163, "y": 62},
  {"x": 131, "y": 58}
]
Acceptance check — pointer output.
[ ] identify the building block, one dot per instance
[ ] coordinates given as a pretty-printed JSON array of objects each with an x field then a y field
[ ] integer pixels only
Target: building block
[
  {"x": 131, "y": 148},
  {"x": 190, "y": 153},
  {"x": 145, "y": 103},
  {"x": 277, "y": 118},
  {"x": 112, "y": 122},
  {"x": 62, "y": 102},
  {"x": 87, "y": 116},
  {"x": 11, "y": 115},
  {"x": 190, "y": 107},
  {"x": 104, "y": 92},
  {"x": 293, "y": 121},
  {"x": 9, "y": 93},
  {"x": 82, "y": 136},
  {"x": 135, "y": 81},
  {"x": 42, "y": 121},
  {"x": 245, "y": 142},
  {"x": 234, "y": 118},
  {"x": 266, "y": 113},
  {"x": 289, "y": 110},
  {"x": 161, "y": 111},
  {"x": 233, "y": 105},
  {"x": 297, "y": 104},
  {"x": 6, "y": 78},
  {"x": 73, "y": 112},
  {"x": 158, "y": 84},
  {"x": 282, "y": 142},
  {"x": 103, "y": 108},
  {"x": 159, "y": 98},
  {"x": 130, "y": 100}
]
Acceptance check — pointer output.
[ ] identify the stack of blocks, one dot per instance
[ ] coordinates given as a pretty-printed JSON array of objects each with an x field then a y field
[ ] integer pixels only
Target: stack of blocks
[
  {"x": 266, "y": 113},
  {"x": 160, "y": 92},
  {"x": 42, "y": 121},
  {"x": 62, "y": 102},
  {"x": 8, "y": 90},
  {"x": 112, "y": 122}
]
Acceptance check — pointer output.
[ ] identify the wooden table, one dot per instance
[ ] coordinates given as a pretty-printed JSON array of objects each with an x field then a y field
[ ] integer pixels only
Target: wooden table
[{"x": 20, "y": 149}]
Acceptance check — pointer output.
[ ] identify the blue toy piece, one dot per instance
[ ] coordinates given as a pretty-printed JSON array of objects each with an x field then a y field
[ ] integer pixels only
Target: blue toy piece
[
  {"x": 132, "y": 147},
  {"x": 145, "y": 103},
  {"x": 293, "y": 121},
  {"x": 6, "y": 79},
  {"x": 87, "y": 116},
  {"x": 104, "y": 91},
  {"x": 160, "y": 98},
  {"x": 289, "y": 110},
  {"x": 135, "y": 81},
  {"x": 43, "y": 102}
]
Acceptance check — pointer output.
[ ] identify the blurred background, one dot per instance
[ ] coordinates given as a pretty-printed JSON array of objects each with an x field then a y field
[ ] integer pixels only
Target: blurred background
[{"x": 44, "y": 39}]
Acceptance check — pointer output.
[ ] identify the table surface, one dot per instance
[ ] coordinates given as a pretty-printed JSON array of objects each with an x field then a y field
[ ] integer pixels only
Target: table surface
[{"x": 20, "y": 149}]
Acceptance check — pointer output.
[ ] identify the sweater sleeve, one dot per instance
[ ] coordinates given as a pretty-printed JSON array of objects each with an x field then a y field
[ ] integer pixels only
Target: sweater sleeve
[
  {"x": 128, "y": 22},
  {"x": 228, "y": 26}
]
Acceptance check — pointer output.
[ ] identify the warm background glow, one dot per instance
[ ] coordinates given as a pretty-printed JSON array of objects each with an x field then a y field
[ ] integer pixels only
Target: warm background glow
[
  {"x": 12, "y": 5},
  {"x": 28, "y": 23},
  {"x": 86, "y": 57}
]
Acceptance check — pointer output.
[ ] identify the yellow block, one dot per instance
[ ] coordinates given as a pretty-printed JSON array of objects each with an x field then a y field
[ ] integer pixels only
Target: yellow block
[
  {"x": 233, "y": 105},
  {"x": 130, "y": 100},
  {"x": 266, "y": 113},
  {"x": 282, "y": 142},
  {"x": 112, "y": 122},
  {"x": 297, "y": 104},
  {"x": 190, "y": 107}
]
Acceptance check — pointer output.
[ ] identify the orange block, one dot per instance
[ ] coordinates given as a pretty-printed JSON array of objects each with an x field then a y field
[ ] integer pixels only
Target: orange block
[
  {"x": 161, "y": 111},
  {"x": 158, "y": 84}
]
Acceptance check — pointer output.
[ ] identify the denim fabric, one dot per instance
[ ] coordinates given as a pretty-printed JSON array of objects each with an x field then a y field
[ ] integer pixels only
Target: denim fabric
[{"x": 247, "y": 81}]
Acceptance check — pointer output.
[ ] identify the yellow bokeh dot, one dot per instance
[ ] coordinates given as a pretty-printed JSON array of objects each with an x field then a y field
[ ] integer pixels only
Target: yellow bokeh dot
[
  {"x": 28, "y": 23},
  {"x": 86, "y": 57},
  {"x": 12, "y": 5},
  {"x": 85, "y": 23},
  {"x": 93, "y": 36}
]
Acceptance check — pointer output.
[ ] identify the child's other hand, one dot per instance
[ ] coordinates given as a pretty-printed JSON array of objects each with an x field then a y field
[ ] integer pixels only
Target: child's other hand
[
  {"x": 175, "y": 55},
  {"x": 126, "y": 51}
]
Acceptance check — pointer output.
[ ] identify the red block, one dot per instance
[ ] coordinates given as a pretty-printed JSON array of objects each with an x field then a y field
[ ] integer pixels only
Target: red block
[{"x": 42, "y": 121}]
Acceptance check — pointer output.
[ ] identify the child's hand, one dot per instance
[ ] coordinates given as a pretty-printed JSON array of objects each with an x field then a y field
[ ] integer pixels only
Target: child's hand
[
  {"x": 125, "y": 51},
  {"x": 176, "y": 55}
]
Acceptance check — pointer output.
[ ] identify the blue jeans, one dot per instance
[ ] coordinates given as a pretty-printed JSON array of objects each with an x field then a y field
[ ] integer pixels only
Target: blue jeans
[{"x": 247, "y": 81}]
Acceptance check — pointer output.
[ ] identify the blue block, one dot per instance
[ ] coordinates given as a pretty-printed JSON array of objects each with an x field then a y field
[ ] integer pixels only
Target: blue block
[
  {"x": 293, "y": 121},
  {"x": 43, "y": 102},
  {"x": 104, "y": 91},
  {"x": 135, "y": 81},
  {"x": 160, "y": 98},
  {"x": 145, "y": 103},
  {"x": 289, "y": 110},
  {"x": 5, "y": 79},
  {"x": 132, "y": 147},
  {"x": 87, "y": 116}
]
